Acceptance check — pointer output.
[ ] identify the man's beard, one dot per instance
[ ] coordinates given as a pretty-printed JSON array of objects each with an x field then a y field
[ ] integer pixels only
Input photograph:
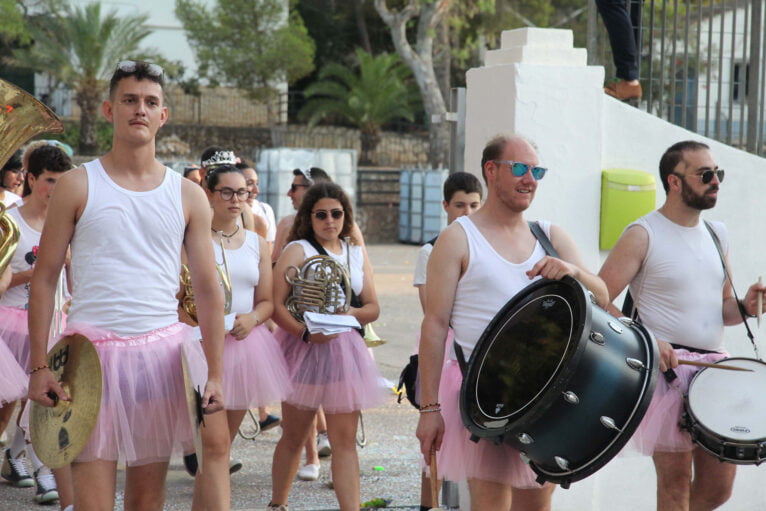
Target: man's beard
[{"x": 695, "y": 201}]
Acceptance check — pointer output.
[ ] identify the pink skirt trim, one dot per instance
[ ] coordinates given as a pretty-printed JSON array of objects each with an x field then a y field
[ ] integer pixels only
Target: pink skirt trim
[
  {"x": 254, "y": 370},
  {"x": 659, "y": 430},
  {"x": 14, "y": 330},
  {"x": 460, "y": 459},
  {"x": 143, "y": 415},
  {"x": 13, "y": 379},
  {"x": 340, "y": 376}
]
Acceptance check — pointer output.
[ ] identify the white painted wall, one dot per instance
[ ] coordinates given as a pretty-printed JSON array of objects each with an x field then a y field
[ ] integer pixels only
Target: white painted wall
[{"x": 547, "y": 94}]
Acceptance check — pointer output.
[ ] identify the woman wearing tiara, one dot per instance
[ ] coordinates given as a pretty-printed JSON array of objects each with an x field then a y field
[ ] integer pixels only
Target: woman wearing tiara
[
  {"x": 332, "y": 371},
  {"x": 254, "y": 370}
]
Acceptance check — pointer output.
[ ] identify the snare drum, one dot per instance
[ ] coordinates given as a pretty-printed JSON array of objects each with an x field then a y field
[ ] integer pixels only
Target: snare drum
[
  {"x": 725, "y": 411},
  {"x": 560, "y": 380}
]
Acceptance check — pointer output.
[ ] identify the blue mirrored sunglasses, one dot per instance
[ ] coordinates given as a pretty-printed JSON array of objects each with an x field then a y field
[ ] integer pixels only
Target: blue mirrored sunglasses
[{"x": 519, "y": 169}]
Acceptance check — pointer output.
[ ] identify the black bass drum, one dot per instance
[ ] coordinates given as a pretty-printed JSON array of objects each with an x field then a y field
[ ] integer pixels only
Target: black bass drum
[{"x": 560, "y": 380}]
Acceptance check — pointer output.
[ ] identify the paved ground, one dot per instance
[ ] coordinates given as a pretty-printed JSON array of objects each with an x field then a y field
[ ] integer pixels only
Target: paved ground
[{"x": 388, "y": 463}]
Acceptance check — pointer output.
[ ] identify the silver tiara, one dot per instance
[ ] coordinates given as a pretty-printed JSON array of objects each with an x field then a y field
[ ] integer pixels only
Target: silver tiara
[{"x": 220, "y": 158}]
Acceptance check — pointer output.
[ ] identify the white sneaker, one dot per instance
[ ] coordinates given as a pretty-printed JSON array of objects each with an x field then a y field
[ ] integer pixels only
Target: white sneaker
[
  {"x": 46, "y": 486},
  {"x": 309, "y": 472},
  {"x": 323, "y": 445}
]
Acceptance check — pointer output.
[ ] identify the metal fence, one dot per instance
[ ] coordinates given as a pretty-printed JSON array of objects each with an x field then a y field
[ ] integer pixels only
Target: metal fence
[{"x": 701, "y": 65}]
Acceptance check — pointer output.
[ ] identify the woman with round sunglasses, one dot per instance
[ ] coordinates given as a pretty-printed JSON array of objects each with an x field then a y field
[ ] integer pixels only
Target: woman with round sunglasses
[
  {"x": 335, "y": 372},
  {"x": 254, "y": 369}
]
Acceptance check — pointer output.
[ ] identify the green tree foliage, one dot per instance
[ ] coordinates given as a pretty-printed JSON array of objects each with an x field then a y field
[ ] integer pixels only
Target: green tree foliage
[
  {"x": 250, "y": 44},
  {"x": 80, "y": 47},
  {"x": 376, "y": 91},
  {"x": 12, "y": 20}
]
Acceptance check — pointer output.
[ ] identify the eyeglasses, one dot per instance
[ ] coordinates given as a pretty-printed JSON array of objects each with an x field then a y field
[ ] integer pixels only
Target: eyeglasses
[
  {"x": 129, "y": 66},
  {"x": 294, "y": 187},
  {"x": 707, "y": 175},
  {"x": 336, "y": 214},
  {"x": 228, "y": 193},
  {"x": 519, "y": 169}
]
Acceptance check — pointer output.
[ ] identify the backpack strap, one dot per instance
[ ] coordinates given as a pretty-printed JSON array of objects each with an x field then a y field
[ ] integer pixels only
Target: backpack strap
[{"x": 545, "y": 242}]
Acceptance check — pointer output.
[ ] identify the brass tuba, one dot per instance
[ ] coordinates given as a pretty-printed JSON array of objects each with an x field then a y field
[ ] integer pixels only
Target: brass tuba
[
  {"x": 21, "y": 118},
  {"x": 187, "y": 300},
  {"x": 321, "y": 285}
]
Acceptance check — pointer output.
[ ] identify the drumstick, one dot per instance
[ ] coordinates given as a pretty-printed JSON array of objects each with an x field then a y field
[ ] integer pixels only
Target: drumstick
[
  {"x": 434, "y": 483},
  {"x": 712, "y": 366},
  {"x": 760, "y": 302}
]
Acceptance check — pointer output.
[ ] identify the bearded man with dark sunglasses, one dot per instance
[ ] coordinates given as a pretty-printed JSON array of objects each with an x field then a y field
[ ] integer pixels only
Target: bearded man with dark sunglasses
[{"x": 681, "y": 293}]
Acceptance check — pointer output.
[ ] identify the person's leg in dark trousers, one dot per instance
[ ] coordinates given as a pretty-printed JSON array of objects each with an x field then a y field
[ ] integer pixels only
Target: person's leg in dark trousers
[{"x": 614, "y": 14}]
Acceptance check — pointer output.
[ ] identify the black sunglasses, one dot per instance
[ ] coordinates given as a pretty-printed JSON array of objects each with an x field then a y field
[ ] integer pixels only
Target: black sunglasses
[
  {"x": 336, "y": 214},
  {"x": 707, "y": 175},
  {"x": 294, "y": 187}
]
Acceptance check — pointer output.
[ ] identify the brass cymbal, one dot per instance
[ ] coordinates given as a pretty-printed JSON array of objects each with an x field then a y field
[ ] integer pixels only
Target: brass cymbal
[
  {"x": 59, "y": 433},
  {"x": 193, "y": 405}
]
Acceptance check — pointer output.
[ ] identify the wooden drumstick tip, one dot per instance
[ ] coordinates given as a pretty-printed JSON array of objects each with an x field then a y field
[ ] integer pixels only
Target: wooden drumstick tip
[{"x": 434, "y": 478}]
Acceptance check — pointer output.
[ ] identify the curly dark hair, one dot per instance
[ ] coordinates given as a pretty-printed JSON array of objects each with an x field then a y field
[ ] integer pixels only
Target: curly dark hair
[{"x": 302, "y": 228}]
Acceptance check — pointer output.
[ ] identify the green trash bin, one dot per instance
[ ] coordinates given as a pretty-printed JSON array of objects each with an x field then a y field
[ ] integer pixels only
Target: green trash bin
[{"x": 626, "y": 195}]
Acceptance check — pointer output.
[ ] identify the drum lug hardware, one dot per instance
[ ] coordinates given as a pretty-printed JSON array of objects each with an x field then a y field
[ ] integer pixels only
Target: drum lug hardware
[
  {"x": 525, "y": 438},
  {"x": 614, "y": 326},
  {"x": 636, "y": 364},
  {"x": 571, "y": 397},
  {"x": 563, "y": 463},
  {"x": 524, "y": 457},
  {"x": 592, "y": 298},
  {"x": 474, "y": 439},
  {"x": 597, "y": 337},
  {"x": 627, "y": 322},
  {"x": 609, "y": 423}
]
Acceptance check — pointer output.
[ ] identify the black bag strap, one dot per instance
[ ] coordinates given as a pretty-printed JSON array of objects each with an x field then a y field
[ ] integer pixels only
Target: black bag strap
[
  {"x": 432, "y": 241},
  {"x": 727, "y": 275},
  {"x": 545, "y": 242}
]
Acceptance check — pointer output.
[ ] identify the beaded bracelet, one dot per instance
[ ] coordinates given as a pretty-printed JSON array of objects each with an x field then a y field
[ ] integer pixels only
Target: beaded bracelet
[
  {"x": 431, "y": 405},
  {"x": 429, "y": 410},
  {"x": 39, "y": 368}
]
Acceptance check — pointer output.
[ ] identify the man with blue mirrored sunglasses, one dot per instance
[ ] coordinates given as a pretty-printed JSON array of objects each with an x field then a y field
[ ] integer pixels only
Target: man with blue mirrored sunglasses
[{"x": 478, "y": 264}]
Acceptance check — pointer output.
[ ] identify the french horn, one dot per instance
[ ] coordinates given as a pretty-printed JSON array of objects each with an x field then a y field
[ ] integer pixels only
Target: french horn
[
  {"x": 321, "y": 285},
  {"x": 187, "y": 300}
]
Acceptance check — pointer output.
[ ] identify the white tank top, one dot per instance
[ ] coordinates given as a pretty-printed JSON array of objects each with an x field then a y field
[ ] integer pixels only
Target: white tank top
[
  {"x": 487, "y": 284},
  {"x": 357, "y": 262},
  {"x": 679, "y": 289},
  {"x": 243, "y": 271},
  {"x": 126, "y": 255},
  {"x": 23, "y": 259}
]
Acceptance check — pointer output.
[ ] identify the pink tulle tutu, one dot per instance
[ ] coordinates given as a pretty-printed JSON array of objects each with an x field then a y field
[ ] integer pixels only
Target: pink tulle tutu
[
  {"x": 15, "y": 332},
  {"x": 13, "y": 379},
  {"x": 254, "y": 370},
  {"x": 460, "y": 459},
  {"x": 143, "y": 412},
  {"x": 340, "y": 376},
  {"x": 659, "y": 430}
]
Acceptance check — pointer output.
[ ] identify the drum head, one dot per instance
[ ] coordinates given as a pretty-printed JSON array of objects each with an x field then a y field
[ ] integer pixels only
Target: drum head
[
  {"x": 522, "y": 351},
  {"x": 731, "y": 404}
]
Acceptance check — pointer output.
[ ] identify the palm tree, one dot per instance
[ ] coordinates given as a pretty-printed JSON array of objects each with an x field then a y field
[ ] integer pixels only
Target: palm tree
[
  {"x": 80, "y": 48},
  {"x": 368, "y": 97}
]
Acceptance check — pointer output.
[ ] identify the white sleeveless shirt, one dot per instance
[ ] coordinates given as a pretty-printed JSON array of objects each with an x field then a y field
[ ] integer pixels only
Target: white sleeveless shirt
[
  {"x": 679, "y": 289},
  {"x": 243, "y": 271},
  {"x": 126, "y": 255},
  {"x": 487, "y": 284},
  {"x": 23, "y": 259}
]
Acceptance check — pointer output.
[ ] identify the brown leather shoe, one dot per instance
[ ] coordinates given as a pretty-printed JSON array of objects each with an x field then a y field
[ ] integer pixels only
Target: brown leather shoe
[{"x": 623, "y": 90}]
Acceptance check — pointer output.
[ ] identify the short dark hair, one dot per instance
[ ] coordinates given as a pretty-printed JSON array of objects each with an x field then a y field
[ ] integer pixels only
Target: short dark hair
[
  {"x": 493, "y": 151},
  {"x": 214, "y": 174},
  {"x": 673, "y": 156},
  {"x": 316, "y": 174},
  {"x": 189, "y": 169},
  {"x": 302, "y": 228},
  {"x": 46, "y": 157},
  {"x": 245, "y": 163},
  {"x": 14, "y": 164},
  {"x": 143, "y": 71},
  {"x": 461, "y": 182}
]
